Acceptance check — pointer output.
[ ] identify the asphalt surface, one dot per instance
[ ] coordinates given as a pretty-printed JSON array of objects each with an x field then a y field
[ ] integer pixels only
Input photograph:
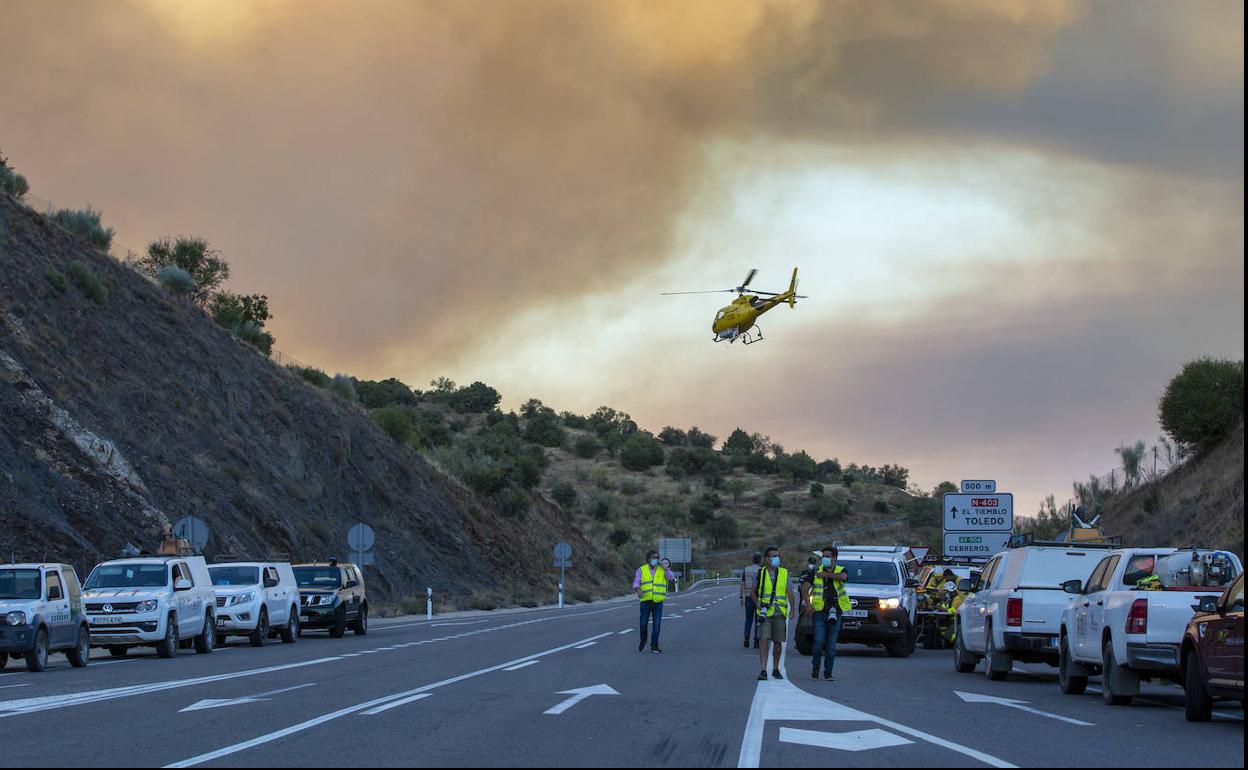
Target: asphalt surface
[{"x": 475, "y": 691}]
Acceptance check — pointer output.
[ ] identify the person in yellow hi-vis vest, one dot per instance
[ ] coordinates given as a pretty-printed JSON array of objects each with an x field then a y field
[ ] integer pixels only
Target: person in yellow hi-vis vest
[
  {"x": 772, "y": 600},
  {"x": 824, "y": 594},
  {"x": 650, "y": 583}
]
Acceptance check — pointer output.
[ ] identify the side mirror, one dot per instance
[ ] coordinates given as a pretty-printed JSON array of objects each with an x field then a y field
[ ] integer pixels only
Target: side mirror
[
  {"x": 912, "y": 583},
  {"x": 182, "y": 584},
  {"x": 1208, "y": 605},
  {"x": 270, "y": 583},
  {"x": 966, "y": 586},
  {"x": 1073, "y": 586}
]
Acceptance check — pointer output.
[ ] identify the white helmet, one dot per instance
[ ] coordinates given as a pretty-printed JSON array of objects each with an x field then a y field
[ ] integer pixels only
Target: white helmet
[{"x": 950, "y": 586}]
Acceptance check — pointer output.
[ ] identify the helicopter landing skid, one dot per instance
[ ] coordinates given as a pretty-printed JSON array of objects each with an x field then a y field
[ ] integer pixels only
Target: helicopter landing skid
[{"x": 749, "y": 338}]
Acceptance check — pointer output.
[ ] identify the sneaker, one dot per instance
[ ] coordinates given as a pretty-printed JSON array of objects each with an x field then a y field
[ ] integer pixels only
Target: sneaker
[
  {"x": 654, "y": 649},
  {"x": 827, "y": 676},
  {"x": 775, "y": 674},
  {"x": 762, "y": 676},
  {"x": 746, "y": 643},
  {"x": 642, "y": 647},
  {"x": 756, "y": 644},
  {"x": 814, "y": 673}
]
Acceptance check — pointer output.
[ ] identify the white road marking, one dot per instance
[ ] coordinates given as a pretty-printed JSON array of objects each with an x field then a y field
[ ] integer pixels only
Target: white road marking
[
  {"x": 1020, "y": 705},
  {"x": 780, "y": 699},
  {"x": 397, "y": 703},
  {"x": 587, "y": 644},
  {"x": 1097, "y": 690},
  {"x": 855, "y": 740},
  {"x": 525, "y": 664},
  {"x": 213, "y": 703},
  {"x": 463, "y": 623},
  {"x": 306, "y": 725},
  {"x": 626, "y": 631},
  {"x": 11, "y": 686},
  {"x": 578, "y": 695},
  {"x": 46, "y": 703}
]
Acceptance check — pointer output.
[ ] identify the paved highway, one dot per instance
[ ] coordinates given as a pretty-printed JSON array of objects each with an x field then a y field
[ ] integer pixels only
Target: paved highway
[{"x": 568, "y": 688}]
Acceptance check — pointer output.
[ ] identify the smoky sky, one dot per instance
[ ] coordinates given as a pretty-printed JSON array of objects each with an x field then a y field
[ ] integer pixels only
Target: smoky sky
[{"x": 406, "y": 179}]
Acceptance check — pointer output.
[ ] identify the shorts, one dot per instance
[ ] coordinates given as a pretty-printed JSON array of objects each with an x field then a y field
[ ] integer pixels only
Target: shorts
[{"x": 774, "y": 628}]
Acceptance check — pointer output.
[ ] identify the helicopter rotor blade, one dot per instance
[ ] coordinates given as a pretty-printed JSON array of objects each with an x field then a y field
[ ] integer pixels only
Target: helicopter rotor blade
[
  {"x": 748, "y": 277},
  {"x": 711, "y": 291}
]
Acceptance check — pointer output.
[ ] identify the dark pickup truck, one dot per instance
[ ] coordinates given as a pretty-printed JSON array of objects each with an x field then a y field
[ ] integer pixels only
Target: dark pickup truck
[{"x": 1212, "y": 654}]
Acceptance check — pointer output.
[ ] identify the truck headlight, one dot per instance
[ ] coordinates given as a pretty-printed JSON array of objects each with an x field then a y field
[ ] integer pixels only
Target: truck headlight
[
  {"x": 891, "y": 603},
  {"x": 246, "y": 598},
  {"x": 15, "y": 618},
  {"x": 151, "y": 605}
]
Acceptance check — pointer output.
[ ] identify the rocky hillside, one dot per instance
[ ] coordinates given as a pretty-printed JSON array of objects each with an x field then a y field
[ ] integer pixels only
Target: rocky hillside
[
  {"x": 124, "y": 408},
  {"x": 1201, "y": 503}
]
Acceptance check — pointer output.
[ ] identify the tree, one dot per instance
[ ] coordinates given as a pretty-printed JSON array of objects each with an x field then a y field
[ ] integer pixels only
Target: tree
[
  {"x": 700, "y": 440},
  {"x": 377, "y": 394},
  {"x": 193, "y": 255},
  {"x": 605, "y": 419},
  {"x": 640, "y": 452},
  {"x": 829, "y": 470},
  {"x": 739, "y": 442},
  {"x": 543, "y": 427},
  {"x": 724, "y": 532},
  {"x": 760, "y": 463},
  {"x": 816, "y": 489},
  {"x": 737, "y": 488},
  {"x": 586, "y": 447},
  {"x": 772, "y": 500},
  {"x": 475, "y": 398},
  {"x": 945, "y": 488},
  {"x": 1203, "y": 403},
  {"x": 799, "y": 467},
  {"x": 673, "y": 436},
  {"x": 1131, "y": 457},
  {"x": 564, "y": 494}
]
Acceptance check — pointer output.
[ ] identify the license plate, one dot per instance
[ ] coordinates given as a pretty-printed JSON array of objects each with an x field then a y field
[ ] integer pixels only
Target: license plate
[
  {"x": 304, "y": 618},
  {"x": 108, "y": 621},
  {"x": 855, "y": 613}
]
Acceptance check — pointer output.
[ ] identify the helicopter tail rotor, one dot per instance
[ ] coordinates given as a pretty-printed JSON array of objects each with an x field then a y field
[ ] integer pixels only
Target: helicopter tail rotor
[{"x": 793, "y": 289}]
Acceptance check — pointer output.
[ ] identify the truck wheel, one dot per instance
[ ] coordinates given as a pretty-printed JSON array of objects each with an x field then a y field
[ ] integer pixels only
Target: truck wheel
[
  {"x": 117, "y": 651},
  {"x": 1069, "y": 682},
  {"x": 260, "y": 636},
  {"x": 206, "y": 642},
  {"x": 290, "y": 634},
  {"x": 37, "y": 658},
  {"x": 360, "y": 626},
  {"x": 168, "y": 647},
  {"x": 80, "y": 655},
  {"x": 1112, "y": 676},
  {"x": 964, "y": 661},
  {"x": 997, "y": 664},
  {"x": 4, "y": 660},
  {"x": 1199, "y": 706}
]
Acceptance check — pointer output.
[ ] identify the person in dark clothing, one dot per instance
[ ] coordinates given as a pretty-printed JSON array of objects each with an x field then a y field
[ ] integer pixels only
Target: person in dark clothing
[{"x": 749, "y": 586}]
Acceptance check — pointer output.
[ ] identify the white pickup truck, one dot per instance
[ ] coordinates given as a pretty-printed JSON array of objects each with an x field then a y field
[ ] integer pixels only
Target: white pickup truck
[{"x": 1127, "y": 620}]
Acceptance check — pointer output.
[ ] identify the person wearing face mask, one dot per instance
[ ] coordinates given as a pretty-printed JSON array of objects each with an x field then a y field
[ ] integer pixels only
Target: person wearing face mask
[
  {"x": 650, "y": 584},
  {"x": 772, "y": 600},
  {"x": 824, "y": 595}
]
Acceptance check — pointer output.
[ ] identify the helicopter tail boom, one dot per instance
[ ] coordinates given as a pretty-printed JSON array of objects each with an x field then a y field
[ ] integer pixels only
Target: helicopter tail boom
[{"x": 792, "y": 292}]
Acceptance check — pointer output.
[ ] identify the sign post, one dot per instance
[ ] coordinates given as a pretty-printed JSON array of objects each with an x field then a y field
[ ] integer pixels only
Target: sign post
[
  {"x": 563, "y": 560},
  {"x": 978, "y": 521}
]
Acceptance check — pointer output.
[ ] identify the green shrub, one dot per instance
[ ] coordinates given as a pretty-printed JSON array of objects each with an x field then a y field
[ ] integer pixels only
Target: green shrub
[
  {"x": 12, "y": 182},
  {"x": 1203, "y": 403},
  {"x": 574, "y": 421},
  {"x": 600, "y": 507},
  {"x": 175, "y": 280},
  {"x": 772, "y": 500},
  {"x": 205, "y": 265},
  {"x": 673, "y": 436},
  {"x": 631, "y": 487},
  {"x": 343, "y": 387},
  {"x": 587, "y": 447},
  {"x": 255, "y": 336},
  {"x": 511, "y": 502},
  {"x": 57, "y": 279},
  {"x": 85, "y": 225},
  {"x": 618, "y": 537},
  {"x": 395, "y": 421},
  {"x": 724, "y": 532},
  {"x": 544, "y": 428},
  {"x": 564, "y": 494},
  {"x": 311, "y": 375},
  {"x": 816, "y": 489},
  {"x": 880, "y": 505},
  {"x": 827, "y": 510},
  {"x": 376, "y": 394},
  {"x": 84, "y": 278},
  {"x": 640, "y": 452}
]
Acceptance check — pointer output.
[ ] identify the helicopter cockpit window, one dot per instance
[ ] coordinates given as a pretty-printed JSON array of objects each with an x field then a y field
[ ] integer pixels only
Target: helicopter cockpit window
[{"x": 719, "y": 316}]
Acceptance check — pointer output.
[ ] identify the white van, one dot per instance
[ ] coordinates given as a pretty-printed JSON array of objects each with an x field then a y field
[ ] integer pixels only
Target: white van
[
  {"x": 1015, "y": 610},
  {"x": 256, "y": 600},
  {"x": 151, "y": 601}
]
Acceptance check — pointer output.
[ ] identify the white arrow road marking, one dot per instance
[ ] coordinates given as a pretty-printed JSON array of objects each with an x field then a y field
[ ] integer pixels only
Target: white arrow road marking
[
  {"x": 216, "y": 703},
  {"x": 396, "y": 703},
  {"x": 578, "y": 695},
  {"x": 855, "y": 740},
  {"x": 307, "y": 725},
  {"x": 30, "y": 705},
  {"x": 971, "y": 697},
  {"x": 780, "y": 699}
]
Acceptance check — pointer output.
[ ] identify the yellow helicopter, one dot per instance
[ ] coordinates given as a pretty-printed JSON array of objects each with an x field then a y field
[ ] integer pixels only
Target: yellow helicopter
[{"x": 739, "y": 320}]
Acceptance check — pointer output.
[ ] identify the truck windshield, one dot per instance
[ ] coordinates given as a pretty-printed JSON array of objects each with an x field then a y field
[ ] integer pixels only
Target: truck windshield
[
  {"x": 318, "y": 577},
  {"x": 20, "y": 584},
  {"x": 1049, "y": 569},
  {"x": 128, "y": 576},
  {"x": 234, "y": 576},
  {"x": 872, "y": 573}
]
